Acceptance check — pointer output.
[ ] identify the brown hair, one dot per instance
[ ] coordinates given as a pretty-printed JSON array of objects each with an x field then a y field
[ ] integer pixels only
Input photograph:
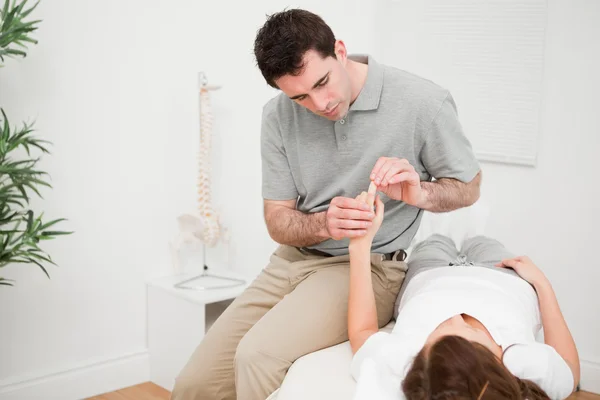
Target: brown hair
[
  {"x": 455, "y": 368},
  {"x": 285, "y": 37}
]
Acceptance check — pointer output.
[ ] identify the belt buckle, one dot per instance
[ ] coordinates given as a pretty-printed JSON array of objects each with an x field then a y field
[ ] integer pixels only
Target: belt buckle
[{"x": 398, "y": 255}]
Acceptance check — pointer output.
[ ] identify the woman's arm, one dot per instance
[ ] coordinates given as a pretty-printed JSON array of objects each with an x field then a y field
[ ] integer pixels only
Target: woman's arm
[
  {"x": 362, "y": 311},
  {"x": 556, "y": 331}
]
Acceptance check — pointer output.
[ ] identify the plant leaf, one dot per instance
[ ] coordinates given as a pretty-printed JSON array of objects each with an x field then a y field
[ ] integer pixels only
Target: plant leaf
[
  {"x": 41, "y": 266},
  {"x": 6, "y": 282}
]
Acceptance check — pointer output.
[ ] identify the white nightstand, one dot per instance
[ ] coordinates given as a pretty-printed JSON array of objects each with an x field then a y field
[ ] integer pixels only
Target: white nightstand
[{"x": 177, "y": 322}]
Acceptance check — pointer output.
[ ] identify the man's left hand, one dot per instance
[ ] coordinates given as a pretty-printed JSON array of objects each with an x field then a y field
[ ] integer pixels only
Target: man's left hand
[{"x": 398, "y": 180}]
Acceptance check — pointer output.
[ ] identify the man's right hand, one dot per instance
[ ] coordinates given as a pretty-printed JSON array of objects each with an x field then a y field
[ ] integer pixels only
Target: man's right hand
[{"x": 348, "y": 218}]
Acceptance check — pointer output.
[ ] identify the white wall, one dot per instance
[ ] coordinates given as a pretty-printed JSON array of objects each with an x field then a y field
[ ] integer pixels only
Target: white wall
[
  {"x": 550, "y": 212},
  {"x": 113, "y": 85}
]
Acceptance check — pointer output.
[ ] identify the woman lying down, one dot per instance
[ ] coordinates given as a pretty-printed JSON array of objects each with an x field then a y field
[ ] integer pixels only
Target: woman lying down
[{"x": 466, "y": 327}]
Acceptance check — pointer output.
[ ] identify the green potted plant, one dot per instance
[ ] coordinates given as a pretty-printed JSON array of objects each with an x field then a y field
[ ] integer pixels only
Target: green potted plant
[{"x": 21, "y": 229}]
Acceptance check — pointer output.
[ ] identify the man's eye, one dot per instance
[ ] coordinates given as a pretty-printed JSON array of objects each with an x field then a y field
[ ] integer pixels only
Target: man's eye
[{"x": 324, "y": 82}]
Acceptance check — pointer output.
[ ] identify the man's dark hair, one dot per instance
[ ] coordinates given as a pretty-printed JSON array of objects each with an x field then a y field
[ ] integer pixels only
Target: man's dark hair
[{"x": 285, "y": 37}]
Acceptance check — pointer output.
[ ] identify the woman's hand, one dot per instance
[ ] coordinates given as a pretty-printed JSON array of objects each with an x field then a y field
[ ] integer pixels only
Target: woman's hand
[
  {"x": 525, "y": 268},
  {"x": 372, "y": 200}
]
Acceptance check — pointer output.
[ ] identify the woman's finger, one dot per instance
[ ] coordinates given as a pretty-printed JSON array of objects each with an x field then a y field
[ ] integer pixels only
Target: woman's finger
[
  {"x": 362, "y": 197},
  {"x": 511, "y": 262},
  {"x": 371, "y": 194},
  {"x": 379, "y": 207}
]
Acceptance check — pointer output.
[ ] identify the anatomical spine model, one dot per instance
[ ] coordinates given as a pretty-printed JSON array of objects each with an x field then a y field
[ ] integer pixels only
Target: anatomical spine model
[
  {"x": 204, "y": 226},
  {"x": 209, "y": 218}
]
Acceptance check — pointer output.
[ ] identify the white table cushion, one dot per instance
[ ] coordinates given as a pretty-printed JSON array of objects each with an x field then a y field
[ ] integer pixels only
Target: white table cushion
[{"x": 322, "y": 375}]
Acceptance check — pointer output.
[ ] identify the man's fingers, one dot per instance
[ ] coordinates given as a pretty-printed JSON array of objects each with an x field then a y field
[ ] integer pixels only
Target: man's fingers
[
  {"x": 352, "y": 224},
  {"x": 392, "y": 168},
  {"x": 342, "y": 214},
  {"x": 399, "y": 166},
  {"x": 389, "y": 164},
  {"x": 347, "y": 233},
  {"x": 348, "y": 203},
  {"x": 377, "y": 167},
  {"x": 350, "y": 233},
  {"x": 407, "y": 176},
  {"x": 382, "y": 166}
]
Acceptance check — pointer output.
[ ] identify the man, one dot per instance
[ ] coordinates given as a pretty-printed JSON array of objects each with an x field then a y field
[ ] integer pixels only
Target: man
[{"x": 339, "y": 124}]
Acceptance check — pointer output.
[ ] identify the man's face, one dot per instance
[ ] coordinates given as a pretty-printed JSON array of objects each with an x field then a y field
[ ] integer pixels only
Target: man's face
[{"x": 323, "y": 86}]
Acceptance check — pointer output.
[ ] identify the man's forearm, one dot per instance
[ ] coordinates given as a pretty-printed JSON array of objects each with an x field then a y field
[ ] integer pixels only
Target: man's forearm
[
  {"x": 448, "y": 194},
  {"x": 295, "y": 228}
]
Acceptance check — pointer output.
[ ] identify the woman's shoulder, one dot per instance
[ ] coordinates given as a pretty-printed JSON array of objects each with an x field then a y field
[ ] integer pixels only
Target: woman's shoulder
[
  {"x": 390, "y": 350},
  {"x": 541, "y": 364}
]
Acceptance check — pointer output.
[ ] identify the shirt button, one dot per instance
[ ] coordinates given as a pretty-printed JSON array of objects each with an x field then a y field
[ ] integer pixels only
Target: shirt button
[
  {"x": 344, "y": 137},
  {"x": 342, "y": 121}
]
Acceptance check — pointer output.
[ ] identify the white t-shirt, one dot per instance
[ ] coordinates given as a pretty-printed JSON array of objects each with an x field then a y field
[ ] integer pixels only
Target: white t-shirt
[{"x": 505, "y": 304}]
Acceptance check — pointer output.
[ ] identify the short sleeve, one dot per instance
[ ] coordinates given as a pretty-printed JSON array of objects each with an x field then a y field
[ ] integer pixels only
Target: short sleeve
[
  {"x": 368, "y": 350},
  {"x": 542, "y": 365},
  {"x": 277, "y": 180},
  {"x": 446, "y": 152}
]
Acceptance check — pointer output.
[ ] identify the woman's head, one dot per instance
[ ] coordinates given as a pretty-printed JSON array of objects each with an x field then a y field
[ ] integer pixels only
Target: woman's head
[
  {"x": 455, "y": 368},
  {"x": 457, "y": 326}
]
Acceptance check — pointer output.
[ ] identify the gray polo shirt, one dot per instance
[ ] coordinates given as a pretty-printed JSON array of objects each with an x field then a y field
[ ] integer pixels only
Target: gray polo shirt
[{"x": 397, "y": 114}]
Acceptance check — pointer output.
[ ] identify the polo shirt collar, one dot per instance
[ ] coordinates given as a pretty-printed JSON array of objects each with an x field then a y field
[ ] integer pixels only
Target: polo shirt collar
[{"x": 370, "y": 94}]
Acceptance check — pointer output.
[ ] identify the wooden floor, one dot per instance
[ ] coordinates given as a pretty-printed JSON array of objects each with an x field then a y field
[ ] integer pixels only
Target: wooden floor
[
  {"x": 150, "y": 391},
  {"x": 145, "y": 391},
  {"x": 584, "y": 396}
]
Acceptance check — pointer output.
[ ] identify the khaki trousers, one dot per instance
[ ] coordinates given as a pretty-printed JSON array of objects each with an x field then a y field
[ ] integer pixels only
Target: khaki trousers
[{"x": 297, "y": 305}]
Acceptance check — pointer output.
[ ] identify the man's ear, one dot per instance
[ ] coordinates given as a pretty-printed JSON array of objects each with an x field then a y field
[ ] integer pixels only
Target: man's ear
[{"x": 341, "y": 52}]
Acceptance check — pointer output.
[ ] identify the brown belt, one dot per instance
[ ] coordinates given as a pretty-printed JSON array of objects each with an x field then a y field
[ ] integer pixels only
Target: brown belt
[{"x": 398, "y": 255}]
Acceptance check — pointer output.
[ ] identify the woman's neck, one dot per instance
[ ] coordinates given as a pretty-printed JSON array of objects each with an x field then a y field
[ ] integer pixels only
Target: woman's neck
[{"x": 475, "y": 323}]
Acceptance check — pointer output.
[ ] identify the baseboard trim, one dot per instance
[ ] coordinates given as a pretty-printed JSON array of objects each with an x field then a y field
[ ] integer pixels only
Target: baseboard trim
[
  {"x": 590, "y": 376},
  {"x": 87, "y": 380},
  {"x": 97, "y": 377}
]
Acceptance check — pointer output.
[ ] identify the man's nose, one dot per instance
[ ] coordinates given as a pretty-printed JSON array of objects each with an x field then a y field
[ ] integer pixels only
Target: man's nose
[{"x": 321, "y": 102}]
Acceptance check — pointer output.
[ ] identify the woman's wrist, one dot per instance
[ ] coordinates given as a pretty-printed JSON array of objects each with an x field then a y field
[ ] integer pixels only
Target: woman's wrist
[
  {"x": 541, "y": 284},
  {"x": 359, "y": 245}
]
